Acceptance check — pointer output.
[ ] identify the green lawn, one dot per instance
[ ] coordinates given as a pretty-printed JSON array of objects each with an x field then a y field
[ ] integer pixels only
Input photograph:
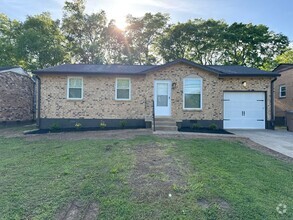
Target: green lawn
[{"x": 132, "y": 179}]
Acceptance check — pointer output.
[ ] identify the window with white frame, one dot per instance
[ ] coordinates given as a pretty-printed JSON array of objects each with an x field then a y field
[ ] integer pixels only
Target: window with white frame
[
  {"x": 75, "y": 88},
  {"x": 282, "y": 91},
  {"x": 123, "y": 89},
  {"x": 192, "y": 93}
]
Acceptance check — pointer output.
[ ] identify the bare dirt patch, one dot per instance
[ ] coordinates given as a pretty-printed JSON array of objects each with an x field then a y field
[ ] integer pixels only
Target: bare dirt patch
[
  {"x": 77, "y": 211},
  {"x": 203, "y": 203},
  {"x": 78, "y": 135},
  {"x": 156, "y": 174},
  {"x": 81, "y": 135},
  {"x": 221, "y": 203},
  {"x": 15, "y": 131}
]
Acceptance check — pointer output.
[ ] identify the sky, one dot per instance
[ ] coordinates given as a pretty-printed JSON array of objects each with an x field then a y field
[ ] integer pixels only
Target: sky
[{"x": 276, "y": 14}]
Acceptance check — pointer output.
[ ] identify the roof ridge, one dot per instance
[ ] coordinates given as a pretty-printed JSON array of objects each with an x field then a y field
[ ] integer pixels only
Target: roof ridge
[
  {"x": 219, "y": 70},
  {"x": 112, "y": 64}
]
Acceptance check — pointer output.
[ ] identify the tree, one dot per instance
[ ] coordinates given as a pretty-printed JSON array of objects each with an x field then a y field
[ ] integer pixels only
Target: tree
[
  {"x": 216, "y": 42},
  {"x": 142, "y": 35},
  {"x": 116, "y": 47},
  {"x": 84, "y": 33},
  {"x": 9, "y": 30},
  {"x": 40, "y": 43},
  {"x": 252, "y": 45},
  {"x": 198, "y": 40},
  {"x": 286, "y": 57}
]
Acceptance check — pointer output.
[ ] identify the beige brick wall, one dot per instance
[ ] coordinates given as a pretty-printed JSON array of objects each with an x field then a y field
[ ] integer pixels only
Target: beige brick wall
[
  {"x": 284, "y": 104},
  {"x": 16, "y": 97},
  {"x": 99, "y": 95},
  {"x": 213, "y": 88},
  {"x": 99, "y": 98}
]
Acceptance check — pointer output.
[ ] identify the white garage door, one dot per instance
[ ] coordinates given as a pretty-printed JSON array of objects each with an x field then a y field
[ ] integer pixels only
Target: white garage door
[{"x": 244, "y": 110}]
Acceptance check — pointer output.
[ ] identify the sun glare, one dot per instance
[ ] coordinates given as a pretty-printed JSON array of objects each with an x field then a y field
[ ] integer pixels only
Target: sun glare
[
  {"x": 119, "y": 12},
  {"x": 121, "y": 23}
]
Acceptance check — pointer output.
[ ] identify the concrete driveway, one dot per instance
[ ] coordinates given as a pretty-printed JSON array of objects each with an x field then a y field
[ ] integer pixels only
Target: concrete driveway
[{"x": 277, "y": 140}]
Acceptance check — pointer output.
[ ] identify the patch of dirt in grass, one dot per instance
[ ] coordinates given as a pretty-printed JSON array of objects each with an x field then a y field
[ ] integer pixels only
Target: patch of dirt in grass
[
  {"x": 76, "y": 211},
  {"x": 108, "y": 148},
  {"x": 11, "y": 132},
  {"x": 91, "y": 212},
  {"x": 81, "y": 135},
  {"x": 15, "y": 131},
  {"x": 156, "y": 174},
  {"x": 223, "y": 204},
  {"x": 205, "y": 204}
]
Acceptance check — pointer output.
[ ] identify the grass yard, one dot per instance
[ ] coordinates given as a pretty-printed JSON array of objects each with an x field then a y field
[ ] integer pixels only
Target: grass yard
[{"x": 146, "y": 177}]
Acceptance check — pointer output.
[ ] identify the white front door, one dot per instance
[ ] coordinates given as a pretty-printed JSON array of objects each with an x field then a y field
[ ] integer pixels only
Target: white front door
[
  {"x": 162, "y": 97},
  {"x": 244, "y": 110}
]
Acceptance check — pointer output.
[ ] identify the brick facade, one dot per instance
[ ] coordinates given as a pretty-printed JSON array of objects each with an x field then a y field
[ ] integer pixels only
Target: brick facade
[
  {"x": 286, "y": 103},
  {"x": 16, "y": 97},
  {"x": 99, "y": 95}
]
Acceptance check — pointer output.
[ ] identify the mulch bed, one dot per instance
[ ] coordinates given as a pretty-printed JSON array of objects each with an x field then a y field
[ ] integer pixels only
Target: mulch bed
[{"x": 205, "y": 130}]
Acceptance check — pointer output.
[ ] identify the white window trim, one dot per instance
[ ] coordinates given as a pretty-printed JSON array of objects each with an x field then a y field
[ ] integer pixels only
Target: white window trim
[
  {"x": 73, "y": 77},
  {"x": 280, "y": 91},
  {"x": 118, "y": 99},
  {"x": 201, "y": 104}
]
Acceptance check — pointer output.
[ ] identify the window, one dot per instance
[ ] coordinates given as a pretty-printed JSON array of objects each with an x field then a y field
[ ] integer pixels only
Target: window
[
  {"x": 192, "y": 93},
  {"x": 282, "y": 91},
  {"x": 123, "y": 89},
  {"x": 75, "y": 88},
  {"x": 162, "y": 94}
]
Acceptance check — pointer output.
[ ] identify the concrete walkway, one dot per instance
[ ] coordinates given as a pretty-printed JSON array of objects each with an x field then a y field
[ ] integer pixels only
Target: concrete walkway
[{"x": 277, "y": 140}]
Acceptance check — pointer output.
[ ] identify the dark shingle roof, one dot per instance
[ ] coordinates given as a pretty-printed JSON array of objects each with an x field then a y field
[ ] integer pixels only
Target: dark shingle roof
[
  {"x": 235, "y": 70},
  {"x": 2, "y": 68},
  {"x": 283, "y": 67},
  {"x": 96, "y": 69},
  {"x": 143, "y": 69}
]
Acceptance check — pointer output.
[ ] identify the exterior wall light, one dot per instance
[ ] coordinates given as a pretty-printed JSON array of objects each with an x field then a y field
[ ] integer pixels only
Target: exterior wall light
[
  {"x": 244, "y": 84},
  {"x": 174, "y": 85}
]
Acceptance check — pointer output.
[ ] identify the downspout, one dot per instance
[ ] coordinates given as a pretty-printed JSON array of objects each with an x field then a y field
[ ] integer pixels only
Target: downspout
[
  {"x": 273, "y": 104},
  {"x": 39, "y": 101},
  {"x": 34, "y": 101}
]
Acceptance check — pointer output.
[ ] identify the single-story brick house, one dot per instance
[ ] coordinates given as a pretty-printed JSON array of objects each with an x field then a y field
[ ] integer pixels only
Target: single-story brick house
[
  {"x": 16, "y": 96},
  {"x": 284, "y": 92},
  {"x": 188, "y": 93}
]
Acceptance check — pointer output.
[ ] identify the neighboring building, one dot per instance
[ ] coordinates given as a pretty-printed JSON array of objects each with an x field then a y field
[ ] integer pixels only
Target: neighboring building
[
  {"x": 186, "y": 92},
  {"x": 16, "y": 96},
  {"x": 283, "y": 92}
]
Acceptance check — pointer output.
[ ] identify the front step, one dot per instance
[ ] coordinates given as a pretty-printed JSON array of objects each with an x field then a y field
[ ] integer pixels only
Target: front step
[
  {"x": 165, "y": 124},
  {"x": 166, "y": 128}
]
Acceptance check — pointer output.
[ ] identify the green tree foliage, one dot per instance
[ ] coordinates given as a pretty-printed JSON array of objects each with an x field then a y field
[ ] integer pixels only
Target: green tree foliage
[
  {"x": 142, "y": 34},
  {"x": 252, "y": 45},
  {"x": 197, "y": 40},
  {"x": 215, "y": 42},
  {"x": 40, "y": 43},
  {"x": 115, "y": 45},
  {"x": 286, "y": 57},
  {"x": 89, "y": 38},
  {"x": 85, "y": 33},
  {"x": 9, "y": 30}
]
